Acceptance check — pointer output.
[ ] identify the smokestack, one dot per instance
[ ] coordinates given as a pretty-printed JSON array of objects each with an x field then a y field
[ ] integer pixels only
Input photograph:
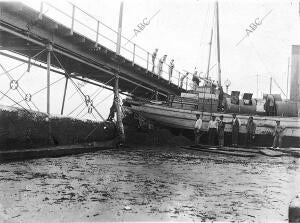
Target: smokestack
[{"x": 295, "y": 74}]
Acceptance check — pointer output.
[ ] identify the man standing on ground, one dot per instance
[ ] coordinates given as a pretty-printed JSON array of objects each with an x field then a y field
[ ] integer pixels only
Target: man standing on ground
[
  {"x": 212, "y": 130},
  {"x": 171, "y": 67},
  {"x": 250, "y": 135},
  {"x": 221, "y": 127},
  {"x": 235, "y": 130},
  {"x": 197, "y": 128},
  {"x": 277, "y": 135},
  {"x": 153, "y": 59}
]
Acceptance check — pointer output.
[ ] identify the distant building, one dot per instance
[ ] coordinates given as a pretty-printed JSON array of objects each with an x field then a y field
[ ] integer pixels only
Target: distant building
[{"x": 295, "y": 74}]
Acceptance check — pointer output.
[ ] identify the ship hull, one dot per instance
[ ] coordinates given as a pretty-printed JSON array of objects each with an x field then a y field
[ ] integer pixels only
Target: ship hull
[{"x": 184, "y": 120}]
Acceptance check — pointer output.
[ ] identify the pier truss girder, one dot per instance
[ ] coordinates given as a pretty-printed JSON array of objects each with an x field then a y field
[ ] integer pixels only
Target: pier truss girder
[
  {"x": 22, "y": 31},
  {"x": 25, "y": 96}
]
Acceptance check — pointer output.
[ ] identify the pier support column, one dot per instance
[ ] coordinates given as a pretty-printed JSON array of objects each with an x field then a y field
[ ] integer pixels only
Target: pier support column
[
  {"x": 49, "y": 49},
  {"x": 120, "y": 127}
]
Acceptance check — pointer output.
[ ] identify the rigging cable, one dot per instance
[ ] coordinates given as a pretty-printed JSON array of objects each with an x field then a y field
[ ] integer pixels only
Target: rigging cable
[
  {"x": 38, "y": 91},
  {"x": 94, "y": 95},
  {"x": 260, "y": 60},
  {"x": 10, "y": 78},
  {"x": 17, "y": 103},
  {"x": 83, "y": 95}
]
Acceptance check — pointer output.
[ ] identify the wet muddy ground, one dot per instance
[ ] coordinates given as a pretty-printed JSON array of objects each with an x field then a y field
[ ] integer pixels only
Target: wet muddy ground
[{"x": 148, "y": 184}]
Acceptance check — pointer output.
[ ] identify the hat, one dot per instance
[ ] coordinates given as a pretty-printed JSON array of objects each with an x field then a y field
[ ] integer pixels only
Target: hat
[
  {"x": 277, "y": 120},
  {"x": 221, "y": 116}
]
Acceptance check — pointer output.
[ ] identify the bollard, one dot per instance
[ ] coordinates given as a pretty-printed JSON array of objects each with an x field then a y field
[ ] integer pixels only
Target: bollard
[{"x": 294, "y": 210}]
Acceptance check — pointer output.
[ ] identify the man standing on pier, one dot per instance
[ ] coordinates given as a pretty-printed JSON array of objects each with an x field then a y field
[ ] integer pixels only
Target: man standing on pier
[
  {"x": 182, "y": 79},
  {"x": 235, "y": 130},
  {"x": 197, "y": 128},
  {"x": 250, "y": 127},
  {"x": 160, "y": 65},
  {"x": 171, "y": 67},
  {"x": 196, "y": 81},
  {"x": 153, "y": 59}
]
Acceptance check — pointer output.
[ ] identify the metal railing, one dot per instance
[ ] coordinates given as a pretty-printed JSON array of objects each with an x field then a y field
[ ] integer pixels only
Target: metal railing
[{"x": 131, "y": 51}]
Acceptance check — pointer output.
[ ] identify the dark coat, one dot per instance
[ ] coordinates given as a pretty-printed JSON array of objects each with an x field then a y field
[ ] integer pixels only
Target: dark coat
[{"x": 251, "y": 127}]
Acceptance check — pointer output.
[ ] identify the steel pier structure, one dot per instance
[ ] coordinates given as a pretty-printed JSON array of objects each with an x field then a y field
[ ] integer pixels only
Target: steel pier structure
[{"x": 31, "y": 33}]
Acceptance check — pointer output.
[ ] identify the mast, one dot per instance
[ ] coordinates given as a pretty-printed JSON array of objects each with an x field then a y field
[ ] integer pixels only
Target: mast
[
  {"x": 209, "y": 54},
  {"x": 218, "y": 44}
]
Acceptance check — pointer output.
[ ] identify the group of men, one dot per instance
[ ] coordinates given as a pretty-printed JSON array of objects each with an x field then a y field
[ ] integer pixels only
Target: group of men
[
  {"x": 161, "y": 63},
  {"x": 171, "y": 65},
  {"x": 216, "y": 128}
]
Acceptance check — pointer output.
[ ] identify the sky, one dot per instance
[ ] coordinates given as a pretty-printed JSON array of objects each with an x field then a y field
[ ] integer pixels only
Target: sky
[{"x": 181, "y": 29}]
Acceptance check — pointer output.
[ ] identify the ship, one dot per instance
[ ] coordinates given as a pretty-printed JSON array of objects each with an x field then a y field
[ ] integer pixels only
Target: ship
[{"x": 178, "y": 112}]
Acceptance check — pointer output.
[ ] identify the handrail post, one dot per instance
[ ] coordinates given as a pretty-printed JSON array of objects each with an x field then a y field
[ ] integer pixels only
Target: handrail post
[
  {"x": 147, "y": 61},
  {"x": 73, "y": 18},
  {"x": 97, "y": 35},
  {"x": 178, "y": 79},
  {"x": 133, "y": 54},
  {"x": 41, "y": 10}
]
